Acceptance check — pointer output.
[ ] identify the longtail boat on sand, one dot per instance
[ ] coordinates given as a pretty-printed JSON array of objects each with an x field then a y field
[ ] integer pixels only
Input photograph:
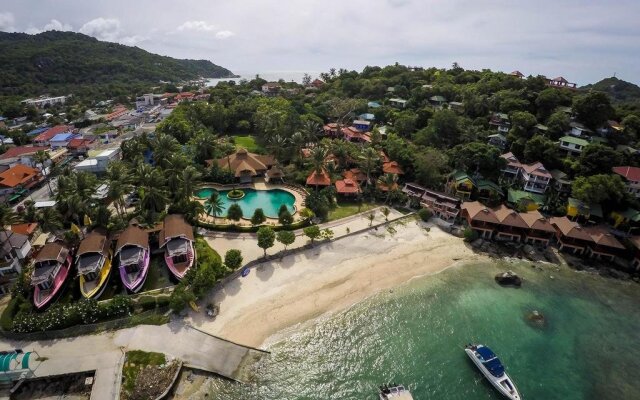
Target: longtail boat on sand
[
  {"x": 177, "y": 239},
  {"x": 51, "y": 269},
  {"x": 93, "y": 261},
  {"x": 132, "y": 250}
]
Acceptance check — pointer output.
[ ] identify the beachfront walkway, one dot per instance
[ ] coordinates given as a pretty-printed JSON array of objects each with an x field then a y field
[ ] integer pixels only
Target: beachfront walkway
[
  {"x": 247, "y": 243},
  {"x": 104, "y": 353}
]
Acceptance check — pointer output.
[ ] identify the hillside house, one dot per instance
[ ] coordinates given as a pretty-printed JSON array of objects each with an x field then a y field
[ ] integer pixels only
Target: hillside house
[
  {"x": 631, "y": 177},
  {"x": 572, "y": 145}
]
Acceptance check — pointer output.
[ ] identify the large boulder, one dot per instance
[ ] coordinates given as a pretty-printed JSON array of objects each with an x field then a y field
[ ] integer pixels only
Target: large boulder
[{"x": 508, "y": 278}]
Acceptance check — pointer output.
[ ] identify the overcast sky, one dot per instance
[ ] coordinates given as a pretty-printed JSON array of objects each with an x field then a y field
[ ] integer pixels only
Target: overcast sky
[{"x": 582, "y": 40}]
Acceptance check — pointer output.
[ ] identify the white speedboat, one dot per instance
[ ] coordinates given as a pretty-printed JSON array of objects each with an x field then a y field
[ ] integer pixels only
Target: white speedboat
[
  {"x": 491, "y": 367},
  {"x": 394, "y": 392}
]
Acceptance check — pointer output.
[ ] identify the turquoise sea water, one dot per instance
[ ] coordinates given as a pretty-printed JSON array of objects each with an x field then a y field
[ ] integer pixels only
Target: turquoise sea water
[
  {"x": 588, "y": 349},
  {"x": 269, "y": 200}
]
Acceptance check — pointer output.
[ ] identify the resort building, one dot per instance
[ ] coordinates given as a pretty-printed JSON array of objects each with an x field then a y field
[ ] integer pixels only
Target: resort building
[
  {"x": 271, "y": 89},
  {"x": 540, "y": 231},
  {"x": 561, "y": 182},
  {"x": 501, "y": 122},
  {"x": 441, "y": 204},
  {"x": 524, "y": 200},
  {"x": 392, "y": 167},
  {"x": 517, "y": 74},
  {"x": 535, "y": 177},
  {"x": 497, "y": 140},
  {"x": 579, "y": 130},
  {"x": 14, "y": 249},
  {"x": 604, "y": 246},
  {"x": 347, "y": 187},
  {"x": 398, "y": 102},
  {"x": 19, "y": 177},
  {"x": 631, "y": 176},
  {"x": 480, "y": 218},
  {"x": 561, "y": 83},
  {"x": 355, "y": 174},
  {"x": 42, "y": 102},
  {"x": 244, "y": 165},
  {"x": 511, "y": 226},
  {"x": 572, "y": 145},
  {"x": 321, "y": 178},
  {"x": 437, "y": 101},
  {"x": 362, "y": 125},
  {"x": 461, "y": 185},
  {"x": 571, "y": 236},
  {"x": 351, "y": 134}
]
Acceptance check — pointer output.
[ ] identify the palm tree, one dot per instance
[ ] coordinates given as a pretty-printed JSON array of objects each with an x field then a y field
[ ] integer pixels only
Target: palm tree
[
  {"x": 151, "y": 188},
  {"x": 310, "y": 129},
  {"x": 50, "y": 220},
  {"x": 389, "y": 181},
  {"x": 40, "y": 158},
  {"x": 298, "y": 142},
  {"x": 164, "y": 147},
  {"x": 29, "y": 214},
  {"x": 318, "y": 155},
  {"x": 189, "y": 179},
  {"x": 119, "y": 181},
  {"x": 74, "y": 194},
  {"x": 213, "y": 206},
  {"x": 277, "y": 145},
  {"x": 368, "y": 161}
]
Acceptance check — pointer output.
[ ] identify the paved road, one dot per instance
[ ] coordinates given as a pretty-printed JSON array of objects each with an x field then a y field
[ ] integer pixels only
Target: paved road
[{"x": 104, "y": 353}]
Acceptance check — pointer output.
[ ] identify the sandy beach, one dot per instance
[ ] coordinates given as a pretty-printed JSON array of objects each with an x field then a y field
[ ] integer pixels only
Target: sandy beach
[{"x": 328, "y": 278}]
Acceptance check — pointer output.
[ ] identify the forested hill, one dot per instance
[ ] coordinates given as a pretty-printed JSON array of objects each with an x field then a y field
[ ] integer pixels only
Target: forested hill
[
  {"x": 67, "y": 62},
  {"x": 618, "y": 89}
]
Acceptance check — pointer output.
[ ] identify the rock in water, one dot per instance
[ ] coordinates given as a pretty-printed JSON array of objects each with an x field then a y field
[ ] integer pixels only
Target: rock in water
[
  {"x": 536, "y": 318},
  {"x": 508, "y": 278}
]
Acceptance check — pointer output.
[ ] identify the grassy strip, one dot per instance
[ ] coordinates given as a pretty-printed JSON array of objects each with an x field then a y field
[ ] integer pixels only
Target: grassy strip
[
  {"x": 346, "y": 209},
  {"x": 248, "y": 229}
]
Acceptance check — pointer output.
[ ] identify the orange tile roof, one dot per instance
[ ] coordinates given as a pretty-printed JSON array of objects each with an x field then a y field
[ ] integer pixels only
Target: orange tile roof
[
  {"x": 21, "y": 150},
  {"x": 319, "y": 179},
  {"x": 24, "y": 229},
  {"x": 347, "y": 186},
  {"x": 17, "y": 175},
  {"x": 392, "y": 167},
  {"x": 355, "y": 174}
]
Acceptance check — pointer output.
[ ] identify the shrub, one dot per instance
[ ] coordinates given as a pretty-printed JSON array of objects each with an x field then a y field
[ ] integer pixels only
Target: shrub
[
  {"x": 147, "y": 302},
  {"x": 266, "y": 238},
  {"x": 162, "y": 301},
  {"x": 118, "y": 306},
  {"x": 258, "y": 217},
  {"x": 470, "y": 235},
  {"x": 235, "y": 212},
  {"x": 312, "y": 232},
  {"x": 425, "y": 214},
  {"x": 233, "y": 259},
  {"x": 180, "y": 297},
  {"x": 285, "y": 217},
  {"x": 6, "y": 320}
]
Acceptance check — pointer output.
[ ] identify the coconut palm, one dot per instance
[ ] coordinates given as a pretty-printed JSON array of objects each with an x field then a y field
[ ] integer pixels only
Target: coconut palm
[
  {"x": 298, "y": 142},
  {"x": 30, "y": 213},
  {"x": 318, "y": 155},
  {"x": 389, "y": 181},
  {"x": 276, "y": 145},
  {"x": 214, "y": 205},
  {"x": 310, "y": 129},
  {"x": 369, "y": 161},
  {"x": 74, "y": 194},
  {"x": 40, "y": 158},
  {"x": 189, "y": 179},
  {"x": 50, "y": 220},
  {"x": 119, "y": 180},
  {"x": 151, "y": 189},
  {"x": 164, "y": 148}
]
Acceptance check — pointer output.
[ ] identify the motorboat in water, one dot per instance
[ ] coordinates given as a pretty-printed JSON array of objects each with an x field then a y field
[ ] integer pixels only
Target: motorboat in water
[
  {"x": 491, "y": 367},
  {"x": 394, "y": 392}
]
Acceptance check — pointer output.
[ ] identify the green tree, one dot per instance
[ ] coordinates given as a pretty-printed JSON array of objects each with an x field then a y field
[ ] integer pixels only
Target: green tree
[
  {"x": 593, "y": 109},
  {"x": 386, "y": 211},
  {"x": 258, "y": 217},
  {"x": 233, "y": 259},
  {"x": 266, "y": 238},
  {"x": 604, "y": 189},
  {"x": 442, "y": 130},
  {"x": 312, "y": 232},
  {"x": 477, "y": 156},
  {"x": 540, "y": 148},
  {"x": 284, "y": 216},
  {"x": 234, "y": 212},
  {"x": 430, "y": 165},
  {"x": 371, "y": 217},
  {"x": 119, "y": 182},
  {"x": 558, "y": 125},
  {"x": 286, "y": 238},
  {"x": 214, "y": 205},
  {"x": 631, "y": 125},
  {"x": 50, "y": 220},
  {"x": 390, "y": 181},
  {"x": 598, "y": 159},
  {"x": 369, "y": 160}
]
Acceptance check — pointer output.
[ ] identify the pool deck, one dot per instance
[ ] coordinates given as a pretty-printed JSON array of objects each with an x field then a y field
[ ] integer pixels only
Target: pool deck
[{"x": 258, "y": 184}]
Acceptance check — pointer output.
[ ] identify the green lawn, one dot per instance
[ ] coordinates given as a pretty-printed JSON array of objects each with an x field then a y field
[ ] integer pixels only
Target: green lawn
[
  {"x": 248, "y": 142},
  {"x": 135, "y": 361},
  {"x": 346, "y": 209}
]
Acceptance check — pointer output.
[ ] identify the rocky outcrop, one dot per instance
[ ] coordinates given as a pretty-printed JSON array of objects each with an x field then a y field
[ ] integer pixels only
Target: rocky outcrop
[{"x": 508, "y": 278}]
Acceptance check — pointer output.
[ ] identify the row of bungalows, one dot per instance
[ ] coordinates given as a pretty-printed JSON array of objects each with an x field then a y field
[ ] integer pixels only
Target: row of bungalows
[{"x": 503, "y": 223}]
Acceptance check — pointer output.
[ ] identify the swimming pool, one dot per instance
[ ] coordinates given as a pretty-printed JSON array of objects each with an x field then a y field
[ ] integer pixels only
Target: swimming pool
[{"x": 269, "y": 200}]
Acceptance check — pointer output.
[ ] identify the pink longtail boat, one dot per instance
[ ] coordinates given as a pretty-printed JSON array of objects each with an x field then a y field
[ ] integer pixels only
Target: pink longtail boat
[
  {"x": 177, "y": 239},
  {"x": 51, "y": 269},
  {"x": 132, "y": 250}
]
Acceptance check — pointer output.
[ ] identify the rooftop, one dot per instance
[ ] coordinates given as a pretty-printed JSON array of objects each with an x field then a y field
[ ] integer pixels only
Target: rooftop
[
  {"x": 17, "y": 175},
  {"x": 628, "y": 172}
]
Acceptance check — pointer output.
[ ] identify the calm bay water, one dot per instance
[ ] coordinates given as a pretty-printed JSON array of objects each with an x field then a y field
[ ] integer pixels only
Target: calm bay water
[
  {"x": 271, "y": 76},
  {"x": 588, "y": 349}
]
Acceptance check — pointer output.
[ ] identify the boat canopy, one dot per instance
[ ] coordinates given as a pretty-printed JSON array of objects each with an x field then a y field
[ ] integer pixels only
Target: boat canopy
[
  {"x": 177, "y": 246},
  {"x": 495, "y": 367},
  {"x": 486, "y": 353}
]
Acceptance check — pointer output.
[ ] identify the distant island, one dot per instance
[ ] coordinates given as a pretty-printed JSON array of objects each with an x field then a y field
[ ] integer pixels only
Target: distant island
[{"x": 66, "y": 62}]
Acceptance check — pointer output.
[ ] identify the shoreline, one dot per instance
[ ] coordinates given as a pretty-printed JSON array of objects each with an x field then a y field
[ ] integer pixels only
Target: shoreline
[{"x": 281, "y": 295}]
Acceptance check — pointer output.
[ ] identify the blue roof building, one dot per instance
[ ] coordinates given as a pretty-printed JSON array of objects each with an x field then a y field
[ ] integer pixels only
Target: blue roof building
[{"x": 37, "y": 131}]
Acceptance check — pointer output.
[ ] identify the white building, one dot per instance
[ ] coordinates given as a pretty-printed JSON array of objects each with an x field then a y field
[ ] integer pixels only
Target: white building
[
  {"x": 100, "y": 162},
  {"x": 41, "y": 102}
]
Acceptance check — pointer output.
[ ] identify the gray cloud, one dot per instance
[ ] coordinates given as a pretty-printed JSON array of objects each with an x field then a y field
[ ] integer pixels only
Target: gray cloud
[{"x": 581, "y": 40}]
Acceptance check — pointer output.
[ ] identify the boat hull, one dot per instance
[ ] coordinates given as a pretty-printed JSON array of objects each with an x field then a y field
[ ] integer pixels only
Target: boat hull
[
  {"x": 136, "y": 284},
  {"x": 42, "y": 299},
  {"x": 497, "y": 382},
  {"x": 96, "y": 292},
  {"x": 172, "y": 268}
]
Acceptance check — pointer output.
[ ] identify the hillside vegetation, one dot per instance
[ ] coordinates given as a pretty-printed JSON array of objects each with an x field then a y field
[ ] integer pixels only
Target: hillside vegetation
[{"x": 66, "y": 62}]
